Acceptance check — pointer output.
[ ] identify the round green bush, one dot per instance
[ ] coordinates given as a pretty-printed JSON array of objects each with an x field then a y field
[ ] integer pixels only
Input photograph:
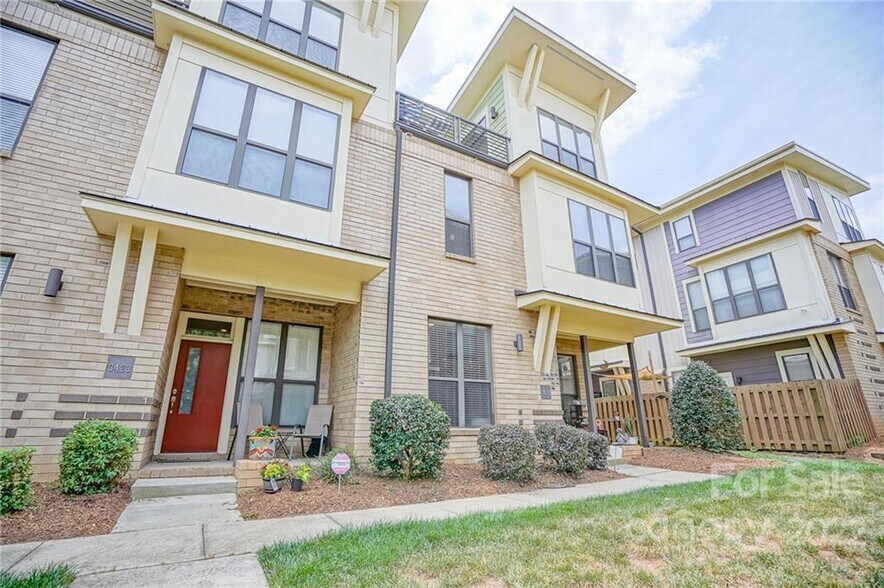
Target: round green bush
[
  {"x": 324, "y": 472},
  {"x": 15, "y": 479},
  {"x": 565, "y": 446},
  {"x": 507, "y": 453},
  {"x": 596, "y": 450},
  {"x": 409, "y": 436},
  {"x": 95, "y": 455},
  {"x": 704, "y": 412}
]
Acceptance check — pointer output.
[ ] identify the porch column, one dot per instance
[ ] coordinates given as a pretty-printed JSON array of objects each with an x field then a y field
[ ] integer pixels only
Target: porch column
[
  {"x": 637, "y": 395},
  {"x": 587, "y": 379},
  {"x": 245, "y": 398}
]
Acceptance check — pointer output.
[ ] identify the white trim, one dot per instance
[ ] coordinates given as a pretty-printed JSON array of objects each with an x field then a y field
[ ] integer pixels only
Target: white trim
[
  {"x": 820, "y": 359},
  {"x": 828, "y": 355},
  {"x": 142, "y": 280},
  {"x": 728, "y": 378},
  {"x": 237, "y": 333},
  {"x": 687, "y": 300},
  {"x": 115, "y": 274},
  {"x": 797, "y": 351}
]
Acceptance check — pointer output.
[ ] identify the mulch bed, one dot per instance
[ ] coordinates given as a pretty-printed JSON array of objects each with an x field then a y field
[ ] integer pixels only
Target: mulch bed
[
  {"x": 871, "y": 452},
  {"x": 53, "y": 515},
  {"x": 369, "y": 490},
  {"x": 699, "y": 461}
]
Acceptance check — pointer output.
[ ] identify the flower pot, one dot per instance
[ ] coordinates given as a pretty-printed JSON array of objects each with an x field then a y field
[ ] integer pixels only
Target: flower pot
[
  {"x": 262, "y": 448},
  {"x": 297, "y": 485},
  {"x": 273, "y": 485}
]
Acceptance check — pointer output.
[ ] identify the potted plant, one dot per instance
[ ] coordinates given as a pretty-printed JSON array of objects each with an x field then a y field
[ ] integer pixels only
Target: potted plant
[
  {"x": 629, "y": 431},
  {"x": 262, "y": 442},
  {"x": 300, "y": 477},
  {"x": 274, "y": 473}
]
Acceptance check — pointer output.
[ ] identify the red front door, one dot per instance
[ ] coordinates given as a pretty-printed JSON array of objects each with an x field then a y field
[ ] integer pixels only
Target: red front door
[{"x": 194, "y": 416}]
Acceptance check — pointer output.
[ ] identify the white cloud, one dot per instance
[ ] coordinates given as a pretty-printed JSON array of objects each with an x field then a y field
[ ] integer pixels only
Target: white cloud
[{"x": 644, "y": 41}]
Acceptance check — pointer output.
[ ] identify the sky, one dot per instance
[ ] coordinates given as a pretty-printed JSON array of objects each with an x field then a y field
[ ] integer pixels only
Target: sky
[{"x": 718, "y": 83}]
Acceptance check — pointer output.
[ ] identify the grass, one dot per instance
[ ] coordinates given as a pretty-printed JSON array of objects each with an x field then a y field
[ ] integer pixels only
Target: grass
[
  {"x": 810, "y": 523},
  {"x": 51, "y": 577}
]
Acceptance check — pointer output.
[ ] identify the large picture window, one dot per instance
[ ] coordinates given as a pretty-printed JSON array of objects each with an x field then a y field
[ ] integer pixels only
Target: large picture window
[
  {"x": 601, "y": 244},
  {"x": 304, "y": 28},
  {"x": 458, "y": 216},
  {"x": 286, "y": 371},
  {"x": 23, "y": 62},
  {"x": 569, "y": 145},
  {"x": 745, "y": 289},
  {"x": 247, "y": 137},
  {"x": 849, "y": 222},
  {"x": 460, "y": 371}
]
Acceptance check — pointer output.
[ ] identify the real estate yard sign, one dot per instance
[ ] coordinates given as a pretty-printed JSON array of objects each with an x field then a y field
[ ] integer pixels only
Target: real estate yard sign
[{"x": 340, "y": 465}]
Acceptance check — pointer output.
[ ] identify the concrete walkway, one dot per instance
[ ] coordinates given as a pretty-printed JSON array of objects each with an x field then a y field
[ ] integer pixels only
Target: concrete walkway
[{"x": 222, "y": 553}]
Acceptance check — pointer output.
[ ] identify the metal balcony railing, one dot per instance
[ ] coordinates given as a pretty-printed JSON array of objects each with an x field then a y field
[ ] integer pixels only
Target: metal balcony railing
[{"x": 441, "y": 126}]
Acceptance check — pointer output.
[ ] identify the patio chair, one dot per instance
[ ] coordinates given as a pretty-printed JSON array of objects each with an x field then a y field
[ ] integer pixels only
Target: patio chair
[{"x": 318, "y": 424}]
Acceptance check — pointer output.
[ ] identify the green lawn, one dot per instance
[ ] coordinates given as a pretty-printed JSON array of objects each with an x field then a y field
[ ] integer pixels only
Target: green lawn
[
  {"x": 51, "y": 577},
  {"x": 812, "y": 522}
]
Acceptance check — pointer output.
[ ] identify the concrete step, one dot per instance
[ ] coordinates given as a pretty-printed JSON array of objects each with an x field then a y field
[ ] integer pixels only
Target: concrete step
[
  {"x": 186, "y": 469},
  {"x": 145, "y": 488},
  {"x": 178, "y": 511}
]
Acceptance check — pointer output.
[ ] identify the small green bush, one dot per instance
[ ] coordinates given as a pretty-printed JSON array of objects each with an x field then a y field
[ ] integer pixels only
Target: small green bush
[
  {"x": 565, "y": 446},
  {"x": 55, "y": 576},
  {"x": 95, "y": 456},
  {"x": 15, "y": 479},
  {"x": 324, "y": 471},
  {"x": 596, "y": 451},
  {"x": 409, "y": 436},
  {"x": 507, "y": 453},
  {"x": 704, "y": 411}
]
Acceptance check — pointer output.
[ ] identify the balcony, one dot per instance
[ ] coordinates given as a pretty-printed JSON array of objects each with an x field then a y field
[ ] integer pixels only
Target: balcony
[{"x": 440, "y": 126}]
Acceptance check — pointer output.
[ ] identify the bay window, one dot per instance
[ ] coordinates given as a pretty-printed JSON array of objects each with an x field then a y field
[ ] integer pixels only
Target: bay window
[
  {"x": 601, "y": 244},
  {"x": 745, "y": 289},
  {"x": 459, "y": 367}
]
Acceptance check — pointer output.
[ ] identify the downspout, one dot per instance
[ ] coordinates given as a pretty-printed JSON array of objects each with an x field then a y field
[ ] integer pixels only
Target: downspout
[
  {"x": 391, "y": 279},
  {"x": 641, "y": 238}
]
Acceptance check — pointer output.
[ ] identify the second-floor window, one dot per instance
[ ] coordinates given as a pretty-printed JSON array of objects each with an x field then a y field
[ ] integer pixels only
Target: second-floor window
[
  {"x": 23, "y": 62},
  {"x": 569, "y": 145},
  {"x": 745, "y": 289},
  {"x": 684, "y": 233},
  {"x": 808, "y": 193},
  {"x": 5, "y": 265},
  {"x": 601, "y": 244},
  {"x": 305, "y": 28},
  {"x": 460, "y": 371},
  {"x": 697, "y": 303},
  {"x": 458, "y": 217},
  {"x": 251, "y": 138},
  {"x": 841, "y": 280},
  {"x": 848, "y": 220}
]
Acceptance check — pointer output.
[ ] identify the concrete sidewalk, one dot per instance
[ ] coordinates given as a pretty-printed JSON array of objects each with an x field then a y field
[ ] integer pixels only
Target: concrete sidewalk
[{"x": 222, "y": 554}]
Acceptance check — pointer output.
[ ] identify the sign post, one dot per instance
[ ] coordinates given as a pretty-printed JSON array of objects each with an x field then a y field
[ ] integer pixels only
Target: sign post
[{"x": 340, "y": 465}]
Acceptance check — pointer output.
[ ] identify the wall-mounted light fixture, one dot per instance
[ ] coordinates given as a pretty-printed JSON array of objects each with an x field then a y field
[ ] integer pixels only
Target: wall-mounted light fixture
[
  {"x": 492, "y": 112},
  {"x": 519, "y": 343},
  {"x": 53, "y": 282}
]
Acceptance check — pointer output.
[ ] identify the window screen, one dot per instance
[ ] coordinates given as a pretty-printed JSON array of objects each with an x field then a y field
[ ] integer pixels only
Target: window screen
[
  {"x": 459, "y": 367},
  {"x": 23, "y": 62}
]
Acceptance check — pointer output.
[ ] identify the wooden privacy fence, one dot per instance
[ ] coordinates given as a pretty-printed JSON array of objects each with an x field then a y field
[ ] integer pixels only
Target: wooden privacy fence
[{"x": 814, "y": 415}]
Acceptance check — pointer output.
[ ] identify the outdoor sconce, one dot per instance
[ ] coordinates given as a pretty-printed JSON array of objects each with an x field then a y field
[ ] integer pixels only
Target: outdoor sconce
[
  {"x": 492, "y": 112},
  {"x": 53, "y": 282},
  {"x": 519, "y": 343}
]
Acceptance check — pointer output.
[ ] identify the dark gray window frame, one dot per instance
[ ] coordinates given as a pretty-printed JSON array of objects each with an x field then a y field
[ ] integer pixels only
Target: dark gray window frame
[
  {"x": 693, "y": 235},
  {"x": 11, "y": 257},
  {"x": 853, "y": 233},
  {"x": 469, "y": 182},
  {"x": 841, "y": 281},
  {"x": 242, "y": 141},
  {"x": 755, "y": 291},
  {"x": 30, "y": 105},
  {"x": 559, "y": 120},
  {"x": 279, "y": 381},
  {"x": 593, "y": 247},
  {"x": 304, "y": 32},
  {"x": 786, "y": 365},
  {"x": 808, "y": 193},
  {"x": 460, "y": 379},
  {"x": 694, "y": 311}
]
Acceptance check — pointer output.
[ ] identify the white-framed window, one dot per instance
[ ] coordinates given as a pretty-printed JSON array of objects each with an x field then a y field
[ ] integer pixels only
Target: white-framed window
[
  {"x": 841, "y": 280},
  {"x": 847, "y": 216},
  {"x": 745, "y": 289},
  {"x": 601, "y": 244},
  {"x": 459, "y": 368},
  {"x": 808, "y": 193},
  {"x": 685, "y": 236},
  {"x": 697, "y": 304},
  {"x": 566, "y": 143},
  {"x": 797, "y": 365},
  {"x": 458, "y": 215}
]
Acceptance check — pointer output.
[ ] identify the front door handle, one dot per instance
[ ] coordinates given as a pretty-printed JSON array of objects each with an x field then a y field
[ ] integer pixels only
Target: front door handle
[{"x": 172, "y": 400}]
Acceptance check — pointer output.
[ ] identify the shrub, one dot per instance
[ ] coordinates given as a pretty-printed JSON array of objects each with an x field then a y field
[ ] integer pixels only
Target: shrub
[
  {"x": 563, "y": 445},
  {"x": 507, "y": 453},
  {"x": 409, "y": 436},
  {"x": 15, "y": 479},
  {"x": 276, "y": 469},
  {"x": 95, "y": 456},
  {"x": 704, "y": 411},
  {"x": 324, "y": 471},
  {"x": 596, "y": 451}
]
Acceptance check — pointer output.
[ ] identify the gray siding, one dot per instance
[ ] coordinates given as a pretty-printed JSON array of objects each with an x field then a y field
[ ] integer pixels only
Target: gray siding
[
  {"x": 752, "y": 210},
  {"x": 756, "y": 365}
]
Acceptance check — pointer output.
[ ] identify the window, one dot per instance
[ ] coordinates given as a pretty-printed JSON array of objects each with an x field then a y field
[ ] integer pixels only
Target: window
[
  {"x": 848, "y": 219},
  {"x": 23, "y": 62},
  {"x": 286, "y": 371},
  {"x": 841, "y": 279},
  {"x": 569, "y": 145},
  {"x": 609, "y": 388},
  {"x": 5, "y": 266},
  {"x": 601, "y": 244},
  {"x": 282, "y": 23},
  {"x": 697, "y": 303},
  {"x": 458, "y": 223},
  {"x": 247, "y": 137},
  {"x": 808, "y": 192},
  {"x": 797, "y": 365},
  {"x": 460, "y": 371},
  {"x": 676, "y": 374},
  {"x": 745, "y": 289},
  {"x": 684, "y": 233}
]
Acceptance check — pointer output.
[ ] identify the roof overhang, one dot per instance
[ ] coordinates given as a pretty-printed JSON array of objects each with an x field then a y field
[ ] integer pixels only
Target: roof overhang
[
  {"x": 873, "y": 247},
  {"x": 170, "y": 20},
  {"x": 566, "y": 67},
  {"x": 720, "y": 346},
  {"x": 238, "y": 257},
  {"x": 409, "y": 14},
  {"x": 531, "y": 161},
  {"x": 803, "y": 226}
]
